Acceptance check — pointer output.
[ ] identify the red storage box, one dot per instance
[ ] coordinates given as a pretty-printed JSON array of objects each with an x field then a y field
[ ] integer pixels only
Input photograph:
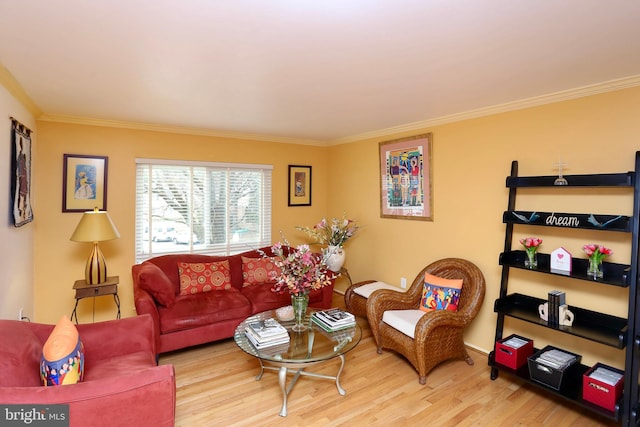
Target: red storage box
[
  {"x": 511, "y": 357},
  {"x": 599, "y": 392}
]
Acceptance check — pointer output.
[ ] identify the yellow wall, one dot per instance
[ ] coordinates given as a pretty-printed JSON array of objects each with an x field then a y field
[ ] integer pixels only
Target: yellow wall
[
  {"x": 60, "y": 262},
  {"x": 471, "y": 159}
]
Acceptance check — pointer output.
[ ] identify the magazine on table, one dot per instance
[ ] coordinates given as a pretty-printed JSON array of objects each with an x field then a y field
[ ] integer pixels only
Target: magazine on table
[
  {"x": 265, "y": 342},
  {"x": 336, "y": 317},
  {"x": 318, "y": 320},
  {"x": 266, "y": 328}
]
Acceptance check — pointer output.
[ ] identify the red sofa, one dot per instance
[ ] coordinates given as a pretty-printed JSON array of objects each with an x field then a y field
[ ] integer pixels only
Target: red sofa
[
  {"x": 123, "y": 386},
  {"x": 182, "y": 321}
]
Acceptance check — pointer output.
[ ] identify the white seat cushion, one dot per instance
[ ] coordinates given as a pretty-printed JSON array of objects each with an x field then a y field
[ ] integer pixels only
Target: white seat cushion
[
  {"x": 366, "y": 290},
  {"x": 403, "y": 320}
]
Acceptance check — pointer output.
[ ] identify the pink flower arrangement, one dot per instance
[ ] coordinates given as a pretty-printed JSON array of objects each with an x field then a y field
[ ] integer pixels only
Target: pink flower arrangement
[
  {"x": 596, "y": 252},
  {"x": 531, "y": 244},
  {"x": 300, "y": 270}
]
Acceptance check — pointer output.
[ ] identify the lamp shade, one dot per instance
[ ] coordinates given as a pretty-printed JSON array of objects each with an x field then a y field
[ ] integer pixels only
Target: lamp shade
[{"x": 95, "y": 226}]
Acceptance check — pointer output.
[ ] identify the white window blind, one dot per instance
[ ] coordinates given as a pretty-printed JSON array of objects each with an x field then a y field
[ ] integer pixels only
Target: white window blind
[{"x": 200, "y": 207}]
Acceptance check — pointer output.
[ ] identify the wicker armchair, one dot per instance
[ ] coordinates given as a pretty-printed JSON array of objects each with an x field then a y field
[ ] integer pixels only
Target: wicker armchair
[{"x": 438, "y": 334}]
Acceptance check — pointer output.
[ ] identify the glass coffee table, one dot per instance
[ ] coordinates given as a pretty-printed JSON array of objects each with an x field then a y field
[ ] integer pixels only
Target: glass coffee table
[{"x": 304, "y": 349}]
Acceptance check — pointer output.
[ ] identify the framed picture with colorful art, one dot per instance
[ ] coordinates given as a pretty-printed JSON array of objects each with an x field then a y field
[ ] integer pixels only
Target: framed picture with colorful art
[
  {"x": 299, "y": 185},
  {"x": 406, "y": 178},
  {"x": 84, "y": 183}
]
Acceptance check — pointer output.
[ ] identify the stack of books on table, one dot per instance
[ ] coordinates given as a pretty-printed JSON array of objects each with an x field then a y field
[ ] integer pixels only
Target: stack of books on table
[
  {"x": 266, "y": 333},
  {"x": 333, "y": 319}
]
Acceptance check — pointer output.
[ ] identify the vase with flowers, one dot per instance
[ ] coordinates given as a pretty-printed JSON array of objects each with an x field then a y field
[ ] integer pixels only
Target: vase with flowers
[
  {"x": 299, "y": 272},
  {"x": 596, "y": 254},
  {"x": 531, "y": 245},
  {"x": 333, "y": 234}
]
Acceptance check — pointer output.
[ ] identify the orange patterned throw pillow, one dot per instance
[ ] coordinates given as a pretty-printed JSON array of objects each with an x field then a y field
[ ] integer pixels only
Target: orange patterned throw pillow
[
  {"x": 440, "y": 294},
  {"x": 62, "y": 360},
  {"x": 257, "y": 271},
  {"x": 204, "y": 277}
]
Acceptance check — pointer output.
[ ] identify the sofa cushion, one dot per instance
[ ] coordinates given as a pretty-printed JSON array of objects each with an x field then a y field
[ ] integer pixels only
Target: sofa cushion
[
  {"x": 404, "y": 321},
  {"x": 123, "y": 364},
  {"x": 258, "y": 271},
  {"x": 440, "y": 293},
  {"x": 62, "y": 355},
  {"x": 152, "y": 279},
  {"x": 263, "y": 298},
  {"x": 169, "y": 264},
  {"x": 191, "y": 311},
  {"x": 200, "y": 277},
  {"x": 20, "y": 354}
]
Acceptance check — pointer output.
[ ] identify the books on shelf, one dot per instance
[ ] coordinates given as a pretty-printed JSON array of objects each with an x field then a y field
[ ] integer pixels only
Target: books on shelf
[
  {"x": 556, "y": 299},
  {"x": 333, "y": 319},
  {"x": 266, "y": 333}
]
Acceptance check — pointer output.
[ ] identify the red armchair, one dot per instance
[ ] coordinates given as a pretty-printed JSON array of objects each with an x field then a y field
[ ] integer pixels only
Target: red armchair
[{"x": 123, "y": 386}]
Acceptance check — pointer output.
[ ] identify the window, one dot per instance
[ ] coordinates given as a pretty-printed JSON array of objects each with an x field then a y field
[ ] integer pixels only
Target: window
[{"x": 199, "y": 207}]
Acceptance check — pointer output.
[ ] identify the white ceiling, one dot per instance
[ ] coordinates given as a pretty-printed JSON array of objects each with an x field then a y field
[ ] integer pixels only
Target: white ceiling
[{"x": 315, "y": 70}]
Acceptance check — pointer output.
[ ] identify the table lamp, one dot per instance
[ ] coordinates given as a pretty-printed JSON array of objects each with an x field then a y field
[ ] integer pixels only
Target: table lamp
[{"x": 95, "y": 226}]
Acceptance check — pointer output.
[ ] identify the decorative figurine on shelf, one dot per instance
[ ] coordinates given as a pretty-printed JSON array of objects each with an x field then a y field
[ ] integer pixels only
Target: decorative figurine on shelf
[
  {"x": 596, "y": 254},
  {"x": 531, "y": 245},
  {"x": 560, "y": 261},
  {"x": 560, "y": 180}
]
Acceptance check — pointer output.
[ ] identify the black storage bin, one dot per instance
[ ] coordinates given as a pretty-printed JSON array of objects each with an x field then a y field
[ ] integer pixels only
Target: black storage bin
[{"x": 552, "y": 377}]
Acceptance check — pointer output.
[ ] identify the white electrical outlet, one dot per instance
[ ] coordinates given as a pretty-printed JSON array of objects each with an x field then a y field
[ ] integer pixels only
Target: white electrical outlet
[
  {"x": 20, "y": 313},
  {"x": 403, "y": 282}
]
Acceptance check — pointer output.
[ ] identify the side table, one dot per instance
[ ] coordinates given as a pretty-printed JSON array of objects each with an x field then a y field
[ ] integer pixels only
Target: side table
[
  {"x": 345, "y": 273},
  {"x": 83, "y": 290}
]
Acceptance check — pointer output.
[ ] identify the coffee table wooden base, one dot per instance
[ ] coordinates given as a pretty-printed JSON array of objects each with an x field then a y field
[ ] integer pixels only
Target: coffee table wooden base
[{"x": 297, "y": 369}]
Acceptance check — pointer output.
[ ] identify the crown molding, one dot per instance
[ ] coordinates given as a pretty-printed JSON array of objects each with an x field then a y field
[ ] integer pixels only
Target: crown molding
[
  {"x": 14, "y": 88},
  {"x": 565, "y": 95},
  {"x": 60, "y": 118}
]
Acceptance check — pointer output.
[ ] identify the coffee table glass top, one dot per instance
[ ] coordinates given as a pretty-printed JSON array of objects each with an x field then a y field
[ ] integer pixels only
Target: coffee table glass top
[{"x": 312, "y": 345}]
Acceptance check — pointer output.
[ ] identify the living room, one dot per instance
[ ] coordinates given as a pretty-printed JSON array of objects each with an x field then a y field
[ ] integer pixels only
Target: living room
[{"x": 593, "y": 128}]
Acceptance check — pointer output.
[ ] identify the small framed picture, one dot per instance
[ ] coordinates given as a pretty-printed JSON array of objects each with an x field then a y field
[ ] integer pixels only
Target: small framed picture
[
  {"x": 299, "y": 185},
  {"x": 406, "y": 178},
  {"x": 84, "y": 183}
]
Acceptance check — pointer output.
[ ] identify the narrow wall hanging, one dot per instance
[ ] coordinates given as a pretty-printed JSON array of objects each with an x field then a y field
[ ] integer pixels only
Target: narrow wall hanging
[{"x": 21, "y": 173}]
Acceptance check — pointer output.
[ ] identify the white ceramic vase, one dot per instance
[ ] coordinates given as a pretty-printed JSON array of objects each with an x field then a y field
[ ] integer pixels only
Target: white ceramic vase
[{"x": 335, "y": 258}]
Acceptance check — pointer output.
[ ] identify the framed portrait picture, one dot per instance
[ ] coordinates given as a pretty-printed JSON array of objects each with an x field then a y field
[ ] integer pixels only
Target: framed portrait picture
[
  {"x": 299, "y": 185},
  {"x": 84, "y": 183},
  {"x": 406, "y": 179}
]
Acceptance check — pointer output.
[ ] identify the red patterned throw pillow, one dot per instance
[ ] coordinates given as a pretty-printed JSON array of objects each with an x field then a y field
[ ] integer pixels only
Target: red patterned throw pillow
[
  {"x": 257, "y": 271},
  {"x": 440, "y": 294},
  {"x": 204, "y": 277}
]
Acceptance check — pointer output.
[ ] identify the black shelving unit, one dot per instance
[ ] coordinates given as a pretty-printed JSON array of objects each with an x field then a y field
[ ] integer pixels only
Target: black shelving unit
[{"x": 616, "y": 332}]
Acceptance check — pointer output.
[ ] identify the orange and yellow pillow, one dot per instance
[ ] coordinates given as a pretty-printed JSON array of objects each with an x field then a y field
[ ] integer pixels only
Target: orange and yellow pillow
[
  {"x": 204, "y": 277},
  {"x": 440, "y": 293}
]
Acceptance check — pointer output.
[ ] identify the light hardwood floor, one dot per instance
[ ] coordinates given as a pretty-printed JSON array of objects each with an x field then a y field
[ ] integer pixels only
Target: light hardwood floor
[{"x": 216, "y": 386}]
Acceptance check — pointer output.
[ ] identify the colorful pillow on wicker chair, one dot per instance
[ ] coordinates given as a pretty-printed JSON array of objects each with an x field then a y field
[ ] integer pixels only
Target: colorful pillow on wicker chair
[
  {"x": 62, "y": 355},
  {"x": 440, "y": 293},
  {"x": 204, "y": 277},
  {"x": 258, "y": 271}
]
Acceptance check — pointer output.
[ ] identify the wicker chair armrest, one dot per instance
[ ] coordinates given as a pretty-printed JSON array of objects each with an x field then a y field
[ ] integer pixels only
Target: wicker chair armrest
[
  {"x": 386, "y": 299},
  {"x": 438, "y": 319}
]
